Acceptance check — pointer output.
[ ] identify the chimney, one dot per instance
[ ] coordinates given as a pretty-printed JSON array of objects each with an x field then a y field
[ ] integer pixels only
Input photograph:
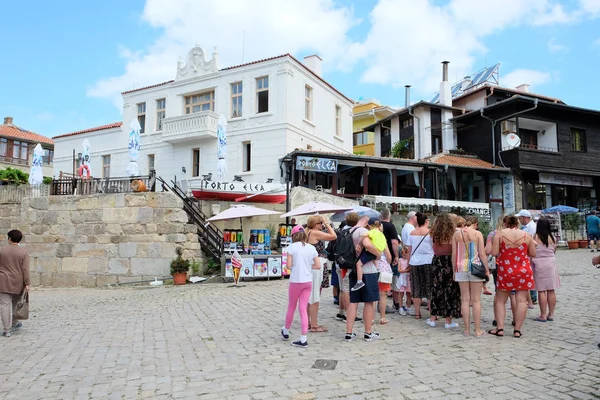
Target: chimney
[
  {"x": 523, "y": 88},
  {"x": 445, "y": 70},
  {"x": 313, "y": 63},
  {"x": 8, "y": 120},
  {"x": 407, "y": 96},
  {"x": 445, "y": 94}
]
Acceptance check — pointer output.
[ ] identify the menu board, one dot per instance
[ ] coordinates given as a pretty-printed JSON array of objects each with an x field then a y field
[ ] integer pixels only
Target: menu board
[
  {"x": 274, "y": 265},
  {"x": 228, "y": 269},
  {"x": 261, "y": 267},
  {"x": 247, "y": 267}
]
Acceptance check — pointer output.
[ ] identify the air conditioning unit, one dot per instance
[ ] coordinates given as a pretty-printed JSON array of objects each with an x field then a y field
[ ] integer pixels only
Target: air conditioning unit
[{"x": 509, "y": 127}]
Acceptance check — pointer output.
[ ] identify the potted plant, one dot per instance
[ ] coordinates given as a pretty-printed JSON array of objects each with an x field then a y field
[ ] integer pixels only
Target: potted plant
[
  {"x": 179, "y": 268},
  {"x": 572, "y": 222}
]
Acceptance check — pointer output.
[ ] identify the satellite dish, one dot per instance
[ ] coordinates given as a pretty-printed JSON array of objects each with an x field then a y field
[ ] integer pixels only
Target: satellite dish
[{"x": 513, "y": 140}]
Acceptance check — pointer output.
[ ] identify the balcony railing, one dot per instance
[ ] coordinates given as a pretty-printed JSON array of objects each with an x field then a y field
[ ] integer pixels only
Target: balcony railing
[
  {"x": 190, "y": 127},
  {"x": 70, "y": 186},
  {"x": 532, "y": 147}
]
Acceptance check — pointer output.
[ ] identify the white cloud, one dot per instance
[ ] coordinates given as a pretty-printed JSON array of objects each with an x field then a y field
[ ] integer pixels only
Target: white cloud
[
  {"x": 554, "y": 47},
  {"x": 272, "y": 27},
  {"x": 528, "y": 76},
  {"x": 404, "y": 43}
]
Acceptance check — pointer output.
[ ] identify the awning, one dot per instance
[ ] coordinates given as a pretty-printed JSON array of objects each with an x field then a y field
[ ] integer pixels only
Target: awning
[
  {"x": 444, "y": 205},
  {"x": 563, "y": 171},
  {"x": 379, "y": 165}
]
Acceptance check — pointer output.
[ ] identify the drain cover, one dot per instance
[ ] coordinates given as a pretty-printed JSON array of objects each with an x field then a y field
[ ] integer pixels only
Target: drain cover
[{"x": 325, "y": 364}]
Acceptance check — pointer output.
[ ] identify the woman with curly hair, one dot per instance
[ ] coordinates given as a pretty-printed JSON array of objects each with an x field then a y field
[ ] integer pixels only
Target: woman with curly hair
[{"x": 445, "y": 292}]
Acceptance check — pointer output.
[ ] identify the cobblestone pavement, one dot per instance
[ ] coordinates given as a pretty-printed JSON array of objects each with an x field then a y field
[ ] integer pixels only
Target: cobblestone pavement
[{"x": 215, "y": 341}]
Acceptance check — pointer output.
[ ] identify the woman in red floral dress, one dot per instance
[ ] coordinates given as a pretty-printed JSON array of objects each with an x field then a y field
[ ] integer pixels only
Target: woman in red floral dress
[{"x": 513, "y": 247}]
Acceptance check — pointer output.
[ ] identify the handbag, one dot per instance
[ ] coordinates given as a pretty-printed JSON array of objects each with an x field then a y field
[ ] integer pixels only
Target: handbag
[
  {"x": 386, "y": 277},
  {"x": 21, "y": 310},
  {"x": 475, "y": 265}
]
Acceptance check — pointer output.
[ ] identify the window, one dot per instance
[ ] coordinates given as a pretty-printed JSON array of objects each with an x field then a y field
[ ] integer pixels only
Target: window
[
  {"x": 150, "y": 163},
  {"x": 308, "y": 103},
  {"x": 48, "y": 157},
  {"x": 236, "y": 99},
  {"x": 106, "y": 166},
  {"x": 196, "y": 162},
  {"x": 407, "y": 123},
  {"x": 246, "y": 156},
  {"x": 141, "y": 109},
  {"x": 338, "y": 120},
  {"x": 200, "y": 102},
  {"x": 262, "y": 94},
  {"x": 361, "y": 138},
  {"x": 3, "y": 146},
  {"x": 161, "y": 105},
  {"x": 578, "y": 140},
  {"x": 20, "y": 150}
]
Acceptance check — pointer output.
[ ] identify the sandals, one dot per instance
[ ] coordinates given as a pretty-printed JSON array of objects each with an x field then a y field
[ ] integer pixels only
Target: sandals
[
  {"x": 487, "y": 291},
  {"x": 496, "y": 332},
  {"x": 318, "y": 329},
  {"x": 384, "y": 321},
  {"x": 417, "y": 316},
  {"x": 517, "y": 332}
]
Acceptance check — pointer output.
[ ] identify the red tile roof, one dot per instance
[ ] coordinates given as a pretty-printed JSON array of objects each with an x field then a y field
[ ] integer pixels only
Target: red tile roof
[
  {"x": 252, "y": 63},
  {"x": 148, "y": 87},
  {"x": 13, "y": 131},
  {"x": 457, "y": 160},
  {"x": 98, "y": 128}
]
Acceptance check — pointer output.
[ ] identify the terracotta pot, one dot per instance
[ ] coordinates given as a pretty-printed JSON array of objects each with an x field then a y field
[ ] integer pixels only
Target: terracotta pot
[
  {"x": 179, "y": 278},
  {"x": 573, "y": 244},
  {"x": 583, "y": 244}
]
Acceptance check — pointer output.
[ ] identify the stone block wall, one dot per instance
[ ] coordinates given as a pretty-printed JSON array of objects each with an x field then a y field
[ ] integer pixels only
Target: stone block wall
[{"x": 100, "y": 239}]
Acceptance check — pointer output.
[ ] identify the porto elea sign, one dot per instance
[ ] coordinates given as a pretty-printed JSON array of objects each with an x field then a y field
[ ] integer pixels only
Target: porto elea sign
[{"x": 316, "y": 164}]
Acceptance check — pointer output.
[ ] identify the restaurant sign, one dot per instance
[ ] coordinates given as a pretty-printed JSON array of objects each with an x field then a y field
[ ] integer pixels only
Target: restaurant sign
[
  {"x": 316, "y": 164},
  {"x": 571, "y": 180}
]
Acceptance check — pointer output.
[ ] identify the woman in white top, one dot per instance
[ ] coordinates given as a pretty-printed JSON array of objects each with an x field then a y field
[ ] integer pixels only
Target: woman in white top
[
  {"x": 302, "y": 258},
  {"x": 419, "y": 247}
]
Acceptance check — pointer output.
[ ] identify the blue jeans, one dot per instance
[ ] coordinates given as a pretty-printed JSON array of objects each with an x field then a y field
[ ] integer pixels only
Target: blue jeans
[{"x": 533, "y": 295}]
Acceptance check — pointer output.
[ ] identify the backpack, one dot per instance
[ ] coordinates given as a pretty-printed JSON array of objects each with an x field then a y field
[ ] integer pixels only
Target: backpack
[{"x": 344, "y": 253}]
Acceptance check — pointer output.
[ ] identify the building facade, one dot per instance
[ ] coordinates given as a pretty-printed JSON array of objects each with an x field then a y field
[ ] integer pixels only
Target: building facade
[
  {"x": 272, "y": 107},
  {"x": 365, "y": 113},
  {"x": 16, "y": 148}
]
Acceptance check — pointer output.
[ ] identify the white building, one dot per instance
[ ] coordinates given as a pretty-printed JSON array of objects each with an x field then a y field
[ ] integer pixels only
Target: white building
[{"x": 273, "y": 106}]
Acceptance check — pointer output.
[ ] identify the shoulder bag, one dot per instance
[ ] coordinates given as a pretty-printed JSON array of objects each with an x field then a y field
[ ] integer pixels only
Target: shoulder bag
[{"x": 475, "y": 265}]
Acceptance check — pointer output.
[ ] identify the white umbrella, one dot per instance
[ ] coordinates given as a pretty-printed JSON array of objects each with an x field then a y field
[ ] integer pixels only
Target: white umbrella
[
  {"x": 241, "y": 211},
  {"x": 134, "y": 147},
  {"x": 86, "y": 159},
  {"x": 222, "y": 146},
  {"x": 35, "y": 175},
  {"x": 360, "y": 210},
  {"x": 316, "y": 207}
]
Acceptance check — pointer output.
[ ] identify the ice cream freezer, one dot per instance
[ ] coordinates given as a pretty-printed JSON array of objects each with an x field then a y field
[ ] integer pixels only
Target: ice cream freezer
[{"x": 255, "y": 266}]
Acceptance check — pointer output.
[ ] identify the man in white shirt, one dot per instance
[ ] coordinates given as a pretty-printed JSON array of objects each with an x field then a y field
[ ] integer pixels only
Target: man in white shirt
[
  {"x": 526, "y": 221},
  {"x": 409, "y": 226}
]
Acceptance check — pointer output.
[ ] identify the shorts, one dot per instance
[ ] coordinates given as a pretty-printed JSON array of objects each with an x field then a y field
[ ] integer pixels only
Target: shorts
[
  {"x": 384, "y": 287},
  {"x": 593, "y": 236},
  {"x": 315, "y": 293},
  {"x": 367, "y": 294},
  {"x": 344, "y": 282},
  {"x": 465, "y": 276}
]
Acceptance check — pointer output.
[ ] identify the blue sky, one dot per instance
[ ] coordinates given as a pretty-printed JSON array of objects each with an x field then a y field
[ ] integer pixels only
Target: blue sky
[{"x": 66, "y": 62}]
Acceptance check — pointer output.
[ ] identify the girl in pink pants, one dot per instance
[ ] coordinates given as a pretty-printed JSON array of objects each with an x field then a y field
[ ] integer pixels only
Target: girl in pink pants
[{"x": 302, "y": 258}]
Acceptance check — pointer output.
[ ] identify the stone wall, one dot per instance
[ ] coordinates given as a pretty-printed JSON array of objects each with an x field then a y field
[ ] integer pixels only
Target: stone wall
[{"x": 101, "y": 239}]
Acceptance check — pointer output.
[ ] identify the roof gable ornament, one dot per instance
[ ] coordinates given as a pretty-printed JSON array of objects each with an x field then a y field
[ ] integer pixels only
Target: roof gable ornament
[{"x": 196, "y": 65}]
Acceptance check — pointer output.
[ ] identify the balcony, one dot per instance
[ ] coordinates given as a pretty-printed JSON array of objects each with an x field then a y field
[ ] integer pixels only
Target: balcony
[{"x": 190, "y": 127}]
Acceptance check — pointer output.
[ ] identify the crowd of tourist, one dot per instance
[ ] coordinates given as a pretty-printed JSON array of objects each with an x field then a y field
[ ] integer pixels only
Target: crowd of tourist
[{"x": 446, "y": 264}]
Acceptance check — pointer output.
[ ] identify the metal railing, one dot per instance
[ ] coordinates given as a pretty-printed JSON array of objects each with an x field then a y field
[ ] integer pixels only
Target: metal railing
[
  {"x": 209, "y": 236},
  {"x": 80, "y": 186},
  {"x": 532, "y": 147}
]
